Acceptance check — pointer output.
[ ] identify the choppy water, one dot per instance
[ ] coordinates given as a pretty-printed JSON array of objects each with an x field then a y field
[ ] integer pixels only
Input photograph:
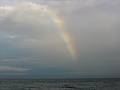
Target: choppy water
[{"x": 61, "y": 84}]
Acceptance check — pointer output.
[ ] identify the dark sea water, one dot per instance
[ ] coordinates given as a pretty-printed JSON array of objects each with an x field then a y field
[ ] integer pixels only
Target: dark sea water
[{"x": 60, "y": 84}]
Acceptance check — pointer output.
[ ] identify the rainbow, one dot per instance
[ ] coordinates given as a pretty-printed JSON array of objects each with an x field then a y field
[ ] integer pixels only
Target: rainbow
[
  {"x": 56, "y": 19},
  {"x": 63, "y": 33}
]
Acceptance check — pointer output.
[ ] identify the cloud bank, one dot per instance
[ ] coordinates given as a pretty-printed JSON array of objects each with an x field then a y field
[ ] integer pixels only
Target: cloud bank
[{"x": 29, "y": 38}]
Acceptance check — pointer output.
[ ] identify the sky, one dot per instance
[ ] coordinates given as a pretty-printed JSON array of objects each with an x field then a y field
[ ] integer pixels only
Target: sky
[{"x": 59, "y": 38}]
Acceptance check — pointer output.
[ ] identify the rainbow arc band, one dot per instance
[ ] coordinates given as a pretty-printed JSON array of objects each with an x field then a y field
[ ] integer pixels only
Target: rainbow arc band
[
  {"x": 63, "y": 33},
  {"x": 56, "y": 19}
]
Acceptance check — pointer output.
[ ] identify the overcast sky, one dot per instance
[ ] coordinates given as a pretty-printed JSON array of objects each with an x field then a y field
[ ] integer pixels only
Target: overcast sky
[{"x": 31, "y": 47}]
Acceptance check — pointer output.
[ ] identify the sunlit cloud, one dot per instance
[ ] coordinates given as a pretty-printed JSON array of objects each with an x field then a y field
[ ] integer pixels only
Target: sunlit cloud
[
  {"x": 5, "y": 11},
  {"x": 13, "y": 74},
  {"x": 12, "y": 69},
  {"x": 7, "y": 8},
  {"x": 12, "y": 36}
]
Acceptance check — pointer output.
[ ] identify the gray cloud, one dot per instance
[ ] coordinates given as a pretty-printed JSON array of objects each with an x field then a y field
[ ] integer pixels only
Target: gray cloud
[{"x": 29, "y": 38}]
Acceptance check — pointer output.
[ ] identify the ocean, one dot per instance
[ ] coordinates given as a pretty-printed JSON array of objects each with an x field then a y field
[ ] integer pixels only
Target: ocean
[{"x": 60, "y": 84}]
